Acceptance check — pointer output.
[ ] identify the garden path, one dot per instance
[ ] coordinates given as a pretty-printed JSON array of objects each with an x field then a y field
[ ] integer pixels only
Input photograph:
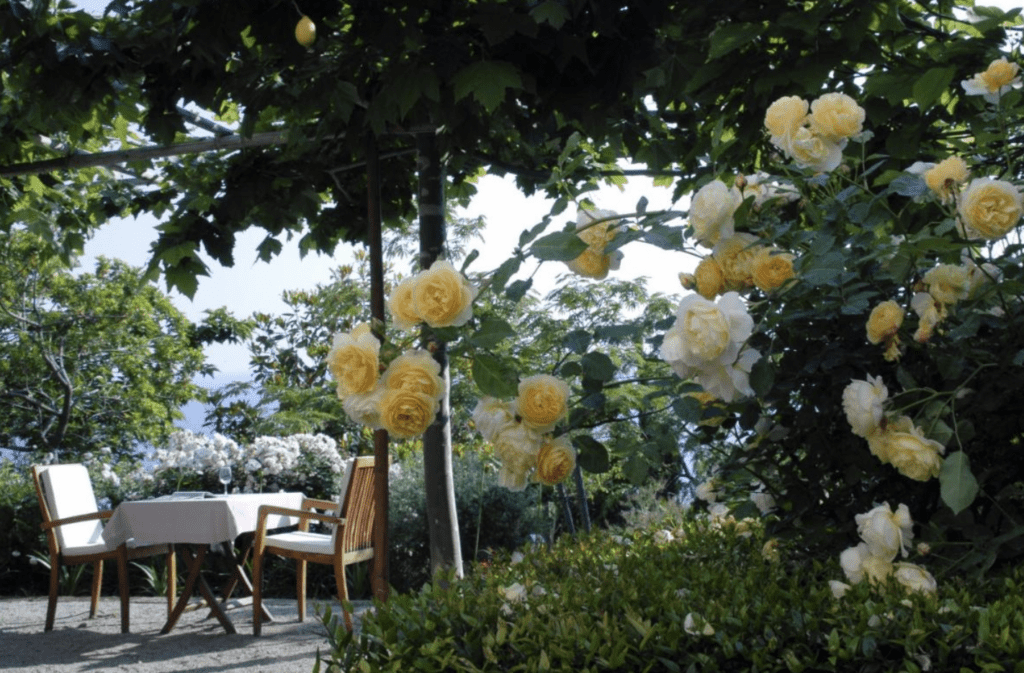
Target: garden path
[{"x": 78, "y": 644}]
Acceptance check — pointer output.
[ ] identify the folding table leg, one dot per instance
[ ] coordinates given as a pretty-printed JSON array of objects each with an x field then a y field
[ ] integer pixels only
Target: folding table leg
[
  {"x": 194, "y": 560},
  {"x": 238, "y": 577}
]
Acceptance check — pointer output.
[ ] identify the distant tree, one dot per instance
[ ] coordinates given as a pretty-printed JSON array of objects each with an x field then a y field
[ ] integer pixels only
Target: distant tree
[{"x": 91, "y": 360}]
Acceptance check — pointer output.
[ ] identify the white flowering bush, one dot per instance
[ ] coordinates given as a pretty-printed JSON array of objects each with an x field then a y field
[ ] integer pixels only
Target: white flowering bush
[{"x": 302, "y": 462}]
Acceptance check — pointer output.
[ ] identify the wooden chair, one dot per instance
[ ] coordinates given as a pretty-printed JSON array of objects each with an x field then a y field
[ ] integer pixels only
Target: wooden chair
[
  {"x": 350, "y": 542},
  {"x": 71, "y": 520}
]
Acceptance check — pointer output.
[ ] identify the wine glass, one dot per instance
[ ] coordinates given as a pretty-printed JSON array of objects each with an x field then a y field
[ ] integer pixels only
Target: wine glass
[{"x": 224, "y": 475}]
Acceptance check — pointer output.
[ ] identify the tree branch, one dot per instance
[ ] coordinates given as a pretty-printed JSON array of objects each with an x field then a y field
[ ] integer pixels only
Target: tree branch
[{"x": 76, "y": 161}]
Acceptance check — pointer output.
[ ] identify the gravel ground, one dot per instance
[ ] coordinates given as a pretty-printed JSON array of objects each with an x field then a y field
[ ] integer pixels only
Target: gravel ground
[{"x": 199, "y": 645}]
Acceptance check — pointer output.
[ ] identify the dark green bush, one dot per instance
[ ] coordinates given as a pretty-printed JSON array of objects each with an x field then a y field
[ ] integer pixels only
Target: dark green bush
[{"x": 709, "y": 602}]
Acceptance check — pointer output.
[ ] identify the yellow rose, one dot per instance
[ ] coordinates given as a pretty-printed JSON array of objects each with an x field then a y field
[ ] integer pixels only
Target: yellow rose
[
  {"x": 884, "y": 321},
  {"x": 948, "y": 283},
  {"x": 709, "y": 278},
  {"x": 406, "y": 413},
  {"x": 736, "y": 256},
  {"x": 999, "y": 73},
  {"x": 771, "y": 269},
  {"x": 443, "y": 297},
  {"x": 709, "y": 401},
  {"x": 712, "y": 210},
  {"x": 785, "y": 116},
  {"x": 989, "y": 208},
  {"x": 543, "y": 401},
  {"x": 593, "y": 262},
  {"x": 877, "y": 569},
  {"x": 945, "y": 176},
  {"x": 353, "y": 362},
  {"x": 555, "y": 460},
  {"x": 910, "y": 452},
  {"x": 417, "y": 371},
  {"x": 836, "y": 117},
  {"x": 402, "y": 306},
  {"x": 930, "y": 313}
]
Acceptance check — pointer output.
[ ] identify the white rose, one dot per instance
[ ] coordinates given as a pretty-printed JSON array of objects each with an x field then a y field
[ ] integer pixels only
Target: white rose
[
  {"x": 712, "y": 210},
  {"x": 706, "y": 491},
  {"x": 810, "y": 150},
  {"x": 764, "y": 502},
  {"x": 491, "y": 416},
  {"x": 862, "y": 402},
  {"x": 838, "y": 588},
  {"x": 696, "y": 625},
  {"x": 886, "y": 533},
  {"x": 916, "y": 578},
  {"x": 728, "y": 382}
]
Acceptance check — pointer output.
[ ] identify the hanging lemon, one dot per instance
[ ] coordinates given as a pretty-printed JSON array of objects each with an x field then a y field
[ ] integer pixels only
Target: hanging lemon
[{"x": 305, "y": 31}]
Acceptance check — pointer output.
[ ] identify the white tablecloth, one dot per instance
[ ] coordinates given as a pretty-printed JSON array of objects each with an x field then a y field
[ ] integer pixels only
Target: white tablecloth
[{"x": 194, "y": 521}]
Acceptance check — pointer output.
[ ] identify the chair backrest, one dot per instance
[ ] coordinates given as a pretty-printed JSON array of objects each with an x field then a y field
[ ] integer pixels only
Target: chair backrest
[
  {"x": 65, "y": 491},
  {"x": 357, "y": 505}
]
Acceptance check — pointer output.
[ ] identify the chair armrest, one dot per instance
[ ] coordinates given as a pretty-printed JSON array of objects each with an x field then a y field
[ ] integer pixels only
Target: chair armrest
[
  {"x": 302, "y": 514},
  {"x": 106, "y": 514},
  {"x": 315, "y": 503}
]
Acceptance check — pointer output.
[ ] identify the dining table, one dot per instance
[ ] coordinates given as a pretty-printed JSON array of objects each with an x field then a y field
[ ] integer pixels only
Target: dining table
[{"x": 193, "y": 522}]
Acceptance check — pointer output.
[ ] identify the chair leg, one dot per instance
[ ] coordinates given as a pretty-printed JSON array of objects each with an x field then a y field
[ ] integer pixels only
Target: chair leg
[
  {"x": 51, "y": 607},
  {"x": 122, "y": 584},
  {"x": 339, "y": 580},
  {"x": 257, "y": 593},
  {"x": 300, "y": 588},
  {"x": 172, "y": 580},
  {"x": 97, "y": 582}
]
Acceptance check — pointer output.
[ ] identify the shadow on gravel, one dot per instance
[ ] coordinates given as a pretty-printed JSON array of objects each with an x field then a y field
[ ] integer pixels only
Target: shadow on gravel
[{"x": 197, "y": 645}]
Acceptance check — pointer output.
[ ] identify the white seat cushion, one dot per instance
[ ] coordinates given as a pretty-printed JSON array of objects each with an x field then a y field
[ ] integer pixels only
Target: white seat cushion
[
  {"x": 96, "y": 548},
  {"x": 69, "y": 493},
  {"x": 314, "y": 543}
]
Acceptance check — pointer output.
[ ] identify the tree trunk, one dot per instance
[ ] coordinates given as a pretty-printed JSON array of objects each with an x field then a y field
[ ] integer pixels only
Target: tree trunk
[
  {"x": 445, "y": 545},
  {"x": 380, "y": 573}
]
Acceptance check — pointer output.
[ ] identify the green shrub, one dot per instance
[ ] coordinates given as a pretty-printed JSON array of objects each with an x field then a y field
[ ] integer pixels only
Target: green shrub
[
  {"x": 490, "y": 517},
  {"x": 706, "y": 602}
]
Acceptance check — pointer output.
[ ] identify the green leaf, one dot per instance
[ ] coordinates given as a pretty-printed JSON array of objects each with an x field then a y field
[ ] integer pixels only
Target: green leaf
[
  {"x": 762, "y": 377},
  {"x": 487, "y": 81},
  {"x": 908, "y": 185},
  {"x": 731, "y": 36},
  {"x": 930, "y": 86},
  {"x": 598, "y": 366},
  {"x": 689, "y": 409},
  {"x": 493, "y": 377},
  {"x": 635, "y": 469},
  {"x": 561, "y": 246},
  {"x": 550, "y": 12},
  {"x": 518, "y": 289},
  {"x": 577, "y": 340},
  {"x": 591, "y": 455},
  {"x": 501, "y": 275},
  {"x": 958, "y": 485},
  {"x": 492, "y": 331}
]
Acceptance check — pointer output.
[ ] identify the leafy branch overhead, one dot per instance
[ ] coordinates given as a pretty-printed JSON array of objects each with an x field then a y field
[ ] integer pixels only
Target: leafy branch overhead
[{"x": 503, "y": 84}]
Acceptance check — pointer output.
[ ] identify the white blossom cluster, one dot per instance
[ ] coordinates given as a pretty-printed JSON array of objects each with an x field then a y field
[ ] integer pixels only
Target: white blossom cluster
[{"x": 263, "y": 463}]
